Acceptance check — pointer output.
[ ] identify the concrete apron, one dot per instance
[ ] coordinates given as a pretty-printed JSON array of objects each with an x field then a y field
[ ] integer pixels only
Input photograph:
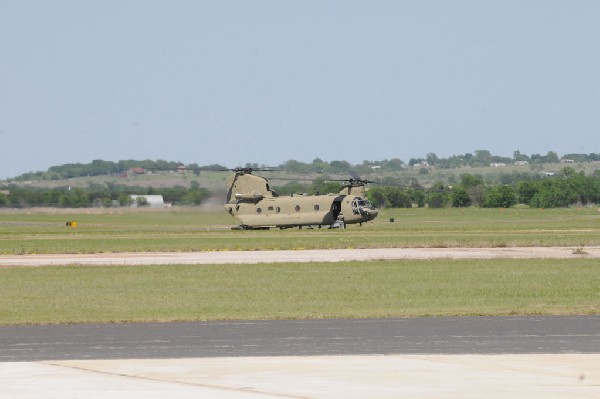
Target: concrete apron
[{"x": 394, "y": 376}]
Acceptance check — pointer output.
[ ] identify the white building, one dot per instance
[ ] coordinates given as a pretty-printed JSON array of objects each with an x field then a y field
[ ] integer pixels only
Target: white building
[{"x": 153, "y": 201}]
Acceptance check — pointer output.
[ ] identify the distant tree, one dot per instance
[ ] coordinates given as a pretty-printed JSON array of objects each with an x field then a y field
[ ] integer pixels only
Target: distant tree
[
  {"x": 525, "y": 191},
  {"x": 432, "y": 159},
  {"x": 390, "y": 197},
  {"x": 99, "y": 167},
  {"x": 394, "y": 164},
  {"x": 469, "y": 158},
  {"x": 469, "y": 181},
  {"x": 578, "y": 157},
  {"x": 473, "y": 185},
  {"x": 418, "y": 197},
  {"x": 438, "y": 196},
  {"x": 517, "y": 156},
  {"x": 460, "y": 197},
  {"x": 553, "y": 193},
  {"x": 587, "y": 188},
  {"x": 75, "y": 198},
  {"x": 318, "y": 165},
  {"x": 552, "y": 157},
  {"x": 482, "y": 158},
  {"x": 415, "y": 161},
  {"x": 320, "y": 186},
  {"x": 376, "y": 196},
  {"x": 194, "y": 197},
  {"x": 124, "y": 200},
  {"x": 294, "y": 166},
  {"x": 292, "y": 187},
  {"x": 499, "y": 197},
  {"x": 398, "y": 197},
  {"x": 4, "y": 200},
  {"x": 568, "y": 171},
  {"x": 176, "y": 194},
  {"x": 340, "y": 167}
]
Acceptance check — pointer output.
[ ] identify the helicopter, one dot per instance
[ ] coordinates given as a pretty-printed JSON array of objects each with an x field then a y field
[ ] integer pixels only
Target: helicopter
[{"x": 258, "y": 207}]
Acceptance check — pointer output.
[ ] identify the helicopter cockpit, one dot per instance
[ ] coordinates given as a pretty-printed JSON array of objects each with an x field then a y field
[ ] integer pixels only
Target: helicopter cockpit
[{"x": 362, "y": 206}]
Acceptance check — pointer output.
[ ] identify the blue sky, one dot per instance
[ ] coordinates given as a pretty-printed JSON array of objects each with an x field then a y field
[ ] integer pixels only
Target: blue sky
[{"x": 232, "y": 82}]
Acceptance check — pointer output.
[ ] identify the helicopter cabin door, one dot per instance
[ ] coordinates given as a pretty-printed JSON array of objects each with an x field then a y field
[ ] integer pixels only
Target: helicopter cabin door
[{"x": 336, "y": 208}]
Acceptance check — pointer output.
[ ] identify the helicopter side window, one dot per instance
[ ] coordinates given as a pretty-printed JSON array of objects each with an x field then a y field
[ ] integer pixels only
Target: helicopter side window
[
  {"x": 258, "y": 211},
  {"x": 277, "y": 210},
  {"x": 317, "y": 207},
  {"x": 297, "y": 208},
  {"x": 354, "y": 207}
]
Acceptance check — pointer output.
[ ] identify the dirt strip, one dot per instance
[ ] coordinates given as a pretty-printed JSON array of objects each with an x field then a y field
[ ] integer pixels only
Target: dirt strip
[{"x": 331, "y": 255}]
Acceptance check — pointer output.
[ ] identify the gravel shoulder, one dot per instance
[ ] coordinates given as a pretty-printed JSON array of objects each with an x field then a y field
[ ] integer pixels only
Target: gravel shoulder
[{"x": 332, "y": 255}]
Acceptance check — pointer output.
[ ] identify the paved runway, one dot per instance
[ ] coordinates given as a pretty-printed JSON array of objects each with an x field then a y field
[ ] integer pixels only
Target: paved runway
[{"x": 445, "y": 335}]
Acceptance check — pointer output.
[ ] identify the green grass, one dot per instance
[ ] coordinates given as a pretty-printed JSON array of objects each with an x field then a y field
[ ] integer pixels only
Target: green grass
[
  {"x": 299, "y": 291},
  {"x": 193, "y": 229}
]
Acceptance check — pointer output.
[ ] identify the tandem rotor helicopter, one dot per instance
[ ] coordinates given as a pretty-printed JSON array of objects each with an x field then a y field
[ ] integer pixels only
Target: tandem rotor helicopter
[{"x": 258, "y": 207}]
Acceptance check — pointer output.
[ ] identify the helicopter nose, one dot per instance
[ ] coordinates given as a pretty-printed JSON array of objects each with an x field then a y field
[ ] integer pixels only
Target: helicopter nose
[{"x": 371, "y": 213}]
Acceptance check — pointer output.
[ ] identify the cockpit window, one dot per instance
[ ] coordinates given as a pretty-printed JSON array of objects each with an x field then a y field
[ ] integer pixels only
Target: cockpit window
[{"x": 362, "y": 202}]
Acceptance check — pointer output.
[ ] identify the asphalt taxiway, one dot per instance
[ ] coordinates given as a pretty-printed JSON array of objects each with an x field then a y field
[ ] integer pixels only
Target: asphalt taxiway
[{"x": 438, "y": 336}]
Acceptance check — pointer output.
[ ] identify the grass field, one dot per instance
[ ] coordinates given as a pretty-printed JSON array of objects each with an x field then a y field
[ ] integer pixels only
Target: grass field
[
  {"x": 193, "y": 229},
  {"x": 294, "y": 291}
]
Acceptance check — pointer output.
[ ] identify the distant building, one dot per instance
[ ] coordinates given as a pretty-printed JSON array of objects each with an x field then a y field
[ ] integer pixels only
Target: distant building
[
  {"x": 565, "y": 160},
  {"x": 153, "y": 201},
  {"x": 422, "y": 165},
  {"x": 136, "y": 171},
  {"x": 497, "y": 165},
  {"x": 522, "y": 163}
]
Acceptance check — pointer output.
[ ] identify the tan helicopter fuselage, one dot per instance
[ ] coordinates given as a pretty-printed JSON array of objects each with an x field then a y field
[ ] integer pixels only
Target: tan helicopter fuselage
[{"x": 256, "y": 206}]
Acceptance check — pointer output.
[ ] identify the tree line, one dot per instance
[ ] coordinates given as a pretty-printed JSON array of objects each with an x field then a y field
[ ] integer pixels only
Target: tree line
[
  {"x": 96, "y": 195},
  {"x": 100, "y": 168},
  {"x": 476, "y": 159},
  {"x": 566, "y": 188}
]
